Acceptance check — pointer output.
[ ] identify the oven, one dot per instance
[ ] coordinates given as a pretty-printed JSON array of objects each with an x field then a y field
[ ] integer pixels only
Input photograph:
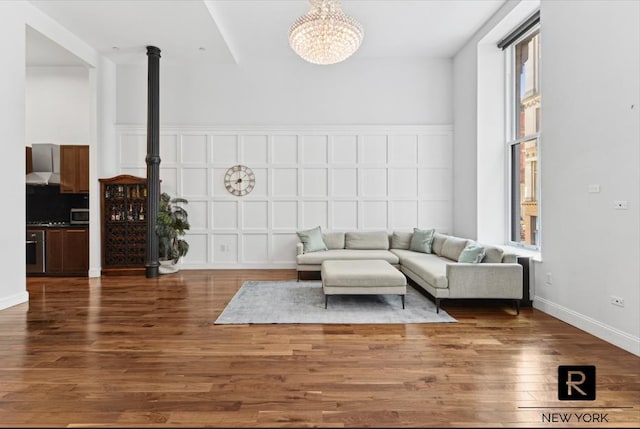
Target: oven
[{"x": 35, "y": 251}]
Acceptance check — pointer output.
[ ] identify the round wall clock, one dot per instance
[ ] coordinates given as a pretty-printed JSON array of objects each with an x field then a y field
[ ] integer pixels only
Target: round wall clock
[{"x": 239, "y": 180}]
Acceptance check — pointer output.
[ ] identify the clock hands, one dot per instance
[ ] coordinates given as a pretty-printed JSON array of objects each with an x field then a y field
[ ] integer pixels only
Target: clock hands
[{"x": 239, "y": 180}]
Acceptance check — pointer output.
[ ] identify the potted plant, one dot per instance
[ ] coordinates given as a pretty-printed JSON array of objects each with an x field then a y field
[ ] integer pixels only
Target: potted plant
[{"x": 173, "y": 221}]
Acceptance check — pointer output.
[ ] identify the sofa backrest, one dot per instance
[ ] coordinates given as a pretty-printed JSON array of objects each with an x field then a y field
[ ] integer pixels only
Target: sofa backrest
[
  {"x": 438, "y": 242},
  {"x": 370, "y": 240},
  {"x": 333, "y": 240},
  {"x": 400, "y": 240},
  {"x": 452, "y": 247},
  {"x": 492, "y": 255}
]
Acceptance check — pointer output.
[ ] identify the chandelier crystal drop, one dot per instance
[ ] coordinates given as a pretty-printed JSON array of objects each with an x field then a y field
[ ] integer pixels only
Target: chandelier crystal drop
[{"x": 325, "y": 35}]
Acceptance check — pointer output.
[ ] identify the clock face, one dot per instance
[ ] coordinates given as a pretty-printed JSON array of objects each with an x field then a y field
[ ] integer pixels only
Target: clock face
[{"x": 239, "y": 180}]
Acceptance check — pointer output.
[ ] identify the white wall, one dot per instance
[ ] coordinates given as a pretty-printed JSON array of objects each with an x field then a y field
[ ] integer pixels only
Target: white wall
[
  {"x": 478, "y": 127},
  {"x": 12, "y": 252},
  {"x": 465, "y": 147},
  {"x": 392, "y": 91},
  {"x": 342, "y": 178},
  {"x": 57, "y": 105},
  {"x": 14, "y": 19},
  {"x": 317, "y": 126},
  {"x": 590, "y": 134}
]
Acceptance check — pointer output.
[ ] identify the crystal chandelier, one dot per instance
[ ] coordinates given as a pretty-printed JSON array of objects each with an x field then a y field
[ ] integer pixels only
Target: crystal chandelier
[{"x": 325, "y": 35}]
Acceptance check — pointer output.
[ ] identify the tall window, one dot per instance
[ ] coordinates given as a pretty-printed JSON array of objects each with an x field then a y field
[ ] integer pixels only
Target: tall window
[{"x": 523, "y": 134}]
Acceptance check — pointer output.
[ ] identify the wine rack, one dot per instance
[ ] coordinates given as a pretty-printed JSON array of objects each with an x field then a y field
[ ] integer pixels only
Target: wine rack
[{"x": 124, "y": 224}]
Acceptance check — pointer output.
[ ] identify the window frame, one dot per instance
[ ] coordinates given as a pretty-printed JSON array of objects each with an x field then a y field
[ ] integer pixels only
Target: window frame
[{"x": 512, "y": 139}]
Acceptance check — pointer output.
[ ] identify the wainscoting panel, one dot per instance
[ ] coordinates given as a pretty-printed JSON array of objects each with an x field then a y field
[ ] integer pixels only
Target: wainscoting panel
[{"x": 340, "y": 178}]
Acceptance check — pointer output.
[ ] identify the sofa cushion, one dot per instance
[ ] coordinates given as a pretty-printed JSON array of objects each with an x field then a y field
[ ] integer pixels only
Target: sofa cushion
[
  {"x": 422, "y": 240},
  {"x": 438, "y": 241},
  {"x": 452, "y": 247},
  {"x": 374, "y": 240},
  {"x": 312, "y": 240},
  {"x": 492, "y": 255},
  {"x": 473, "y": 253},
  {"x": 316, "y": 258},
  {"x": 364, "y": 273},
  {"x": 509, "y": 258},
  {"x": 429, "y": 267},
  {"x": 401, "y": 240},
  {"x": 333, "y": 240}
]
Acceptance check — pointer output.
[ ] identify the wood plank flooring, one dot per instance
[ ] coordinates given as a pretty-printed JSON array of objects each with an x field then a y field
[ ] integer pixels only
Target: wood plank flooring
[{"x": 129, "y": 352}]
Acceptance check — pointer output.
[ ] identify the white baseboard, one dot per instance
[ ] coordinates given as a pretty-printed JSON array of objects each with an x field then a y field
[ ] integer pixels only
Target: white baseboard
[
  {"x": 605, "y": 332},
  {"x": 10, "y": 301},
  {"x": 94, "y": 272}
]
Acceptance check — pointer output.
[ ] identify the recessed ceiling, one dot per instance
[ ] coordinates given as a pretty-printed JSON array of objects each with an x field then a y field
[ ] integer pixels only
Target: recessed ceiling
[{"x": 235, "y": 31}]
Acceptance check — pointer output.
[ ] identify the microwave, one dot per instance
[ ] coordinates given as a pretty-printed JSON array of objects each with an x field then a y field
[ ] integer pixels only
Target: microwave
[{"x": 79, "y": 217}]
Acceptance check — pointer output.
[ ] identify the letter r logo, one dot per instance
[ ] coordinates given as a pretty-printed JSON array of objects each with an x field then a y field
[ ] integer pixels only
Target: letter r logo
[
  {"x": 577, "y": 383},
  {"x": 573, "y": 384}
]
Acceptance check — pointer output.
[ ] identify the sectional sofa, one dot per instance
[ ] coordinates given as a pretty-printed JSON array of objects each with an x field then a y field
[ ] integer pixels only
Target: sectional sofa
[{"x": 496, "y": 275}]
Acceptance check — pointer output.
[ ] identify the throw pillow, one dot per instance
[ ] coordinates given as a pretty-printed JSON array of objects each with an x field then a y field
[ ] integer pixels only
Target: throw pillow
[
  {"x": 311, "y": 240},
  {"x": 472, "y": 253},
  {"x": 421, "y": 240}
]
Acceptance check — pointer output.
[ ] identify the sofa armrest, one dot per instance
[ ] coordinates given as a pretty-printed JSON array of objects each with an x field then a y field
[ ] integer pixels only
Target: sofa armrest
[
  {"x": 497, "y": 280},
  {"x": 299, "y": 248}
]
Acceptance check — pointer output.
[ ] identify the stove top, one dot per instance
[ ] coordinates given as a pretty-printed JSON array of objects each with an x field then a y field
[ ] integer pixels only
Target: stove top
[{"x": 45, "y": 223}]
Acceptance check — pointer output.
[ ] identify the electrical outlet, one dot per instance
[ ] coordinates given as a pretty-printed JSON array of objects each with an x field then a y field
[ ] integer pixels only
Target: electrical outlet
[
  {"x": 547, "y": 279},
  {"x": 616, "y": 300},
  {"x": 594, "y": 189}
]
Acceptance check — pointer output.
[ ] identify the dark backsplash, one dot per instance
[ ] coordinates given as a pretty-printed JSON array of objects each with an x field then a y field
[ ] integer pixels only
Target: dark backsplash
[{"x": 46, "y": 203}]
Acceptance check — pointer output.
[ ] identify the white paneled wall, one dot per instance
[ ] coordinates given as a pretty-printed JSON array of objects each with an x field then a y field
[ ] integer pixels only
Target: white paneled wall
[{"x": 341, "y": 178}]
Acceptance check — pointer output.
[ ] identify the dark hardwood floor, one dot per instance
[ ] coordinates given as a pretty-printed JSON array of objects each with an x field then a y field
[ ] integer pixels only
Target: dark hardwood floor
[{"x": 127, "y": 351}]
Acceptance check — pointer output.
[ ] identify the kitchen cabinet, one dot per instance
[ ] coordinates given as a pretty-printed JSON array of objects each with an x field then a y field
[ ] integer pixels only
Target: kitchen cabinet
[
  {"x": 29, "y": 159},
  {"x": 74, "y": 169},
  {"x": 124, "y": 224},
  {"x": 67, "y": 251}
]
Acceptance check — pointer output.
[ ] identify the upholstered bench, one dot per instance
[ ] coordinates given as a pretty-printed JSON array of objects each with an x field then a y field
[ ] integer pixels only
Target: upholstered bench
[{"x": 361, "y": 277}]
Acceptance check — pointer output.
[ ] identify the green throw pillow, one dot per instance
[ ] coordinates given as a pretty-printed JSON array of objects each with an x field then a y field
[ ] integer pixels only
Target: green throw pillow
[
  {"x": 311, "y": 240},
  {"x": 421, "y": 240},
  {"x": 472, "y": 253}
]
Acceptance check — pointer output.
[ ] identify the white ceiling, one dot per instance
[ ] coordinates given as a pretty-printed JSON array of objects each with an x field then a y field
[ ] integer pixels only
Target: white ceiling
[{"x": 238, "y": 31}]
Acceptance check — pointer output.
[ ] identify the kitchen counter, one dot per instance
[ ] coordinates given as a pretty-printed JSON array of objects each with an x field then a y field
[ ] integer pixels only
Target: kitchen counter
[{"x": 53, "y": 225}]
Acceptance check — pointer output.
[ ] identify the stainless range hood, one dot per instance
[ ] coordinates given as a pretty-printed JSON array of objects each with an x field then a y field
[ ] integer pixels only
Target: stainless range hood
[{"x": 46, "y": 164}]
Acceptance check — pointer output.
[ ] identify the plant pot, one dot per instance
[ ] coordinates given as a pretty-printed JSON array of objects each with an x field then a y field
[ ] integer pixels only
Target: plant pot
[{"x": 168, "y": 266}]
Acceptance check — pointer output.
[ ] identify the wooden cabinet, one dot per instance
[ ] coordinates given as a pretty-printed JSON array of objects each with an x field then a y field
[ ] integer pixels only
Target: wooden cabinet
[
  {"x": 74, "y": 169},
  {"x": 67, "y": 251},
  {"x": 29, "y": 159},
  {"x": 124, "y": 224}
]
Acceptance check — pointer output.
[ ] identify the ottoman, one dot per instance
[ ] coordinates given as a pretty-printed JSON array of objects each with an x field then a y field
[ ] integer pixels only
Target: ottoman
[{"x": 361, "y": 277}]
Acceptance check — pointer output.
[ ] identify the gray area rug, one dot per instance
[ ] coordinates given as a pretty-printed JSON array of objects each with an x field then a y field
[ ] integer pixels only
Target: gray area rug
[{"x": 303, "y": 302}]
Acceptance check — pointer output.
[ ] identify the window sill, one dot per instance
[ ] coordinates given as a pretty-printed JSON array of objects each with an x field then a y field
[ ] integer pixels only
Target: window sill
[{"x": 520, "y": 251}]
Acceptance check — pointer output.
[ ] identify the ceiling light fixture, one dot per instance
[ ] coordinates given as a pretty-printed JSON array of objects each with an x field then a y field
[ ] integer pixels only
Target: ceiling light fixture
[{"x": 325, "y": 35}]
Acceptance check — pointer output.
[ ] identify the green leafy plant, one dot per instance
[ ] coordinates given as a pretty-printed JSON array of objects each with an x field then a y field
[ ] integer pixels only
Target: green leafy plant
[{"x": 173, "y": 221}]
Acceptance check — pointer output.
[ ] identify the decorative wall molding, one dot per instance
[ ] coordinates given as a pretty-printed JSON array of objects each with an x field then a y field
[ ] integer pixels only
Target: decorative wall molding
[{"x": 339, "y": 177}]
